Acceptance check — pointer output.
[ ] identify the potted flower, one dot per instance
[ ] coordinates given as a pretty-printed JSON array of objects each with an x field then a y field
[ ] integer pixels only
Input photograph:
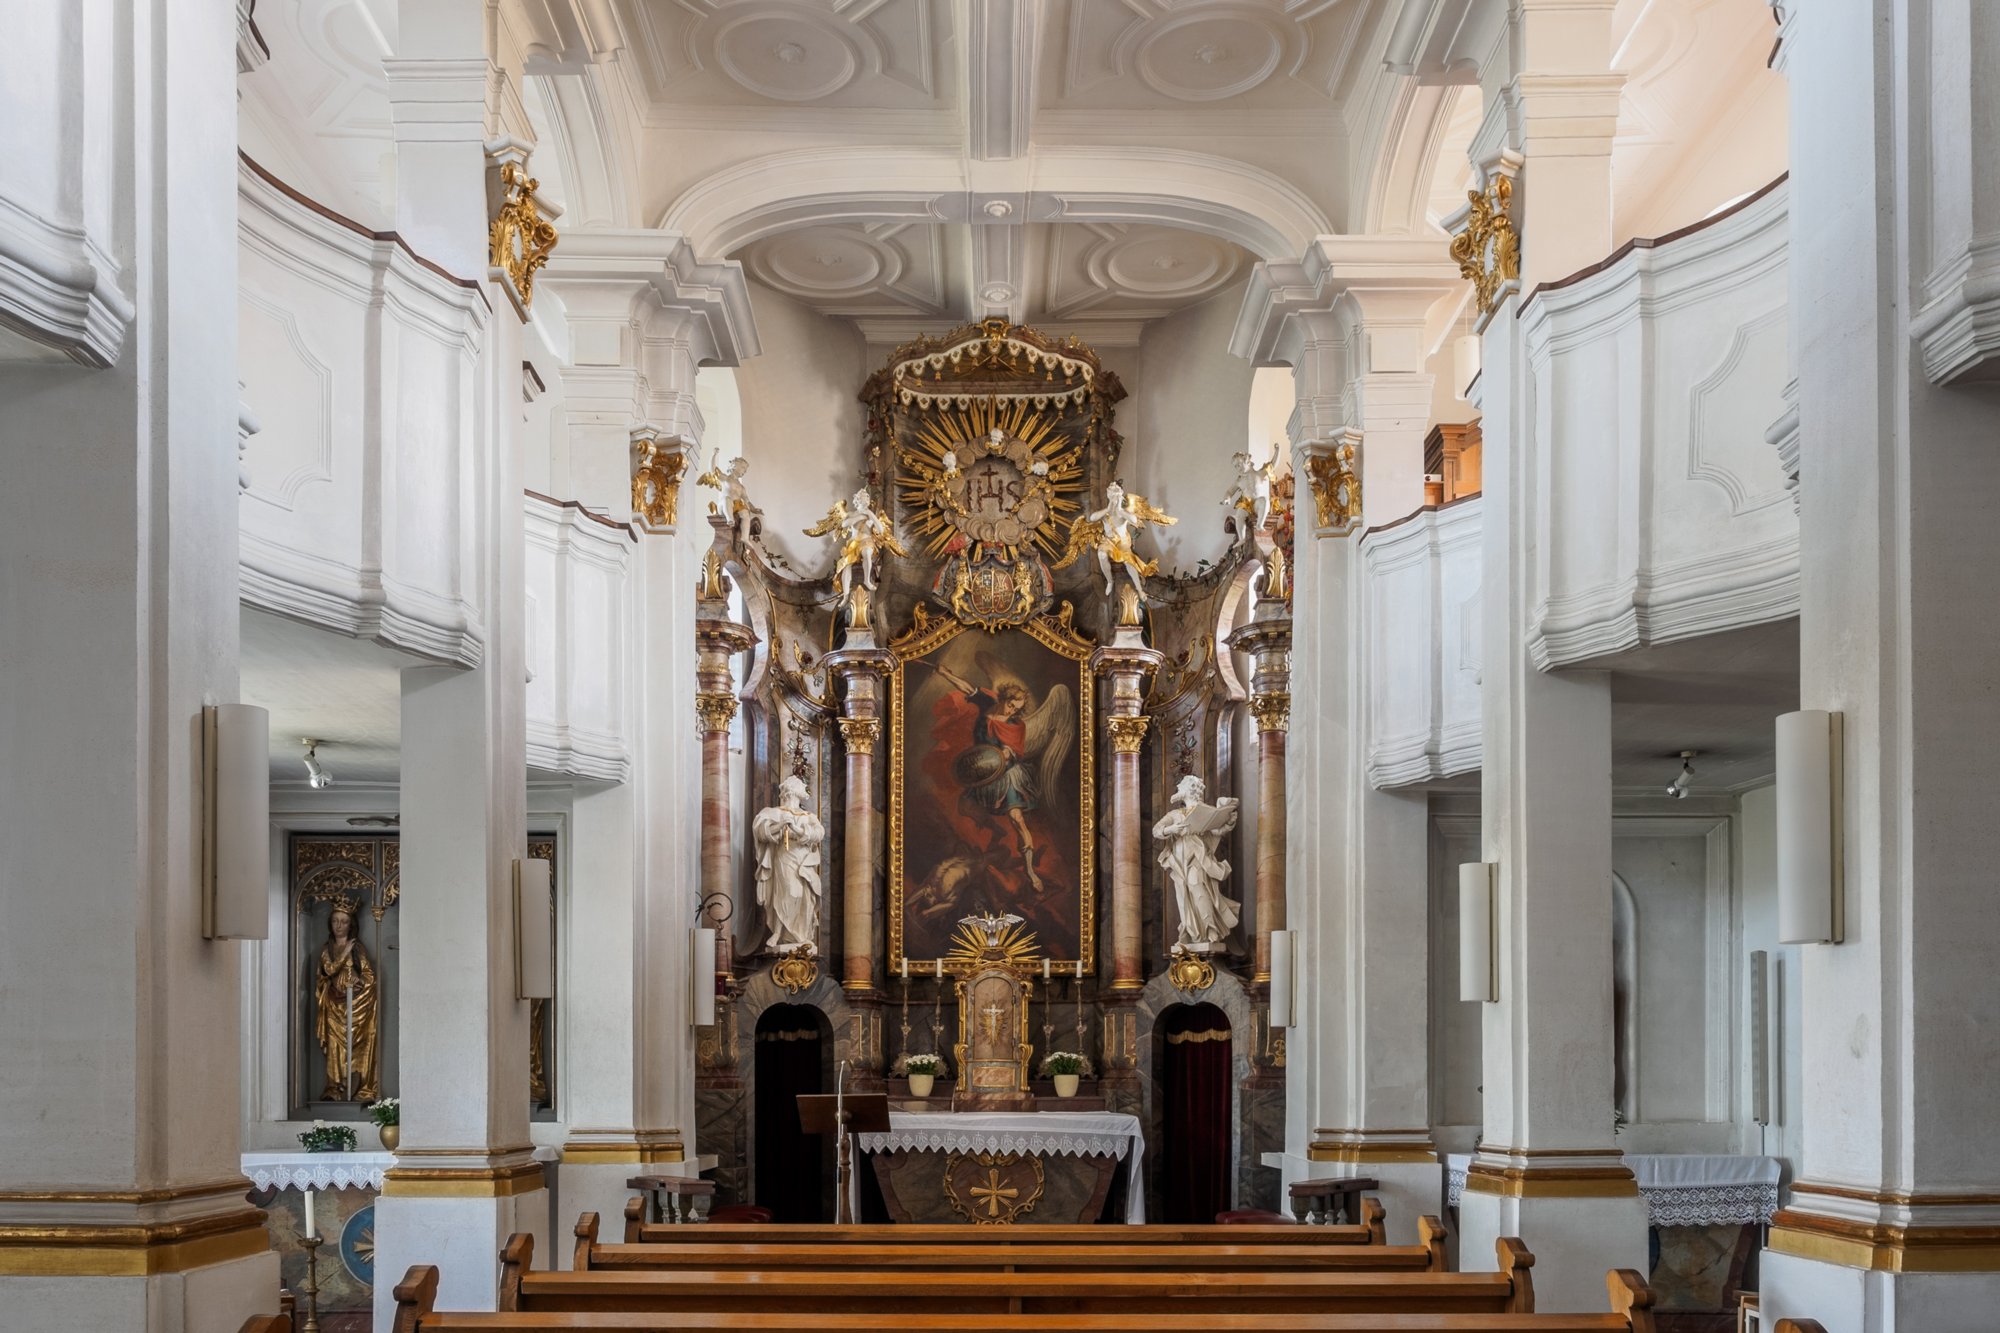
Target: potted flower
[
  {"x": 1065, "y": 1068},
  {"x": 388, "y": 1117},
  {"x": 323, "y": 1137},
  {"x": 923, "y": 1071}
]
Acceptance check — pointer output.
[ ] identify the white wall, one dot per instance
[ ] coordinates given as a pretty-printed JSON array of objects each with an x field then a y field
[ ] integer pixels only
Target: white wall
[
  {"x": 1757, "y": 876},
  {"x": 1193, "y": 400},
  {"x": 802, "y": 422}
]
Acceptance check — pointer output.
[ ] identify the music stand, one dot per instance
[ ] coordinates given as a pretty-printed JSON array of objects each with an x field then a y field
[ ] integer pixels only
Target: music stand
[{"x": 861, "y": 1112}]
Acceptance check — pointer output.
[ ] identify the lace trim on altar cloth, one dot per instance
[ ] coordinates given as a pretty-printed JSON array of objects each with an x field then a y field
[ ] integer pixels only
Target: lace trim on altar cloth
[
  {"x": 317, "y": 1171},
  {"x": 1073, "y": 1144}
]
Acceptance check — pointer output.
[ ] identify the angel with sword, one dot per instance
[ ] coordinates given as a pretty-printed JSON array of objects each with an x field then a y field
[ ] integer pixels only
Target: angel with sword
[
  {"x": 1016, "y": 752},
  {"x": 1109, "y": 532}
]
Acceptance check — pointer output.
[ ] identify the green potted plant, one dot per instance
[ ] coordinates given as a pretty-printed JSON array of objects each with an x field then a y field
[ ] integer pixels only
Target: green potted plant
[
  {"x": 324, "y": 1137},
  {"x": 923, "y": 1071},
  {"x": 1066, "y": 1070},
  {"x": 388, "y": 1117}
]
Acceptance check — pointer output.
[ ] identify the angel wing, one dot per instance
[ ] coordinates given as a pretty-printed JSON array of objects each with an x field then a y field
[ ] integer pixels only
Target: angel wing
[
  {"x": 713, "y": 476},
  {"x": 1085, "y": 534},
  {"x": 1051, "y": 731},
  {"x": 834, "y": 518},
  {"x": 1137, "y": 506}
]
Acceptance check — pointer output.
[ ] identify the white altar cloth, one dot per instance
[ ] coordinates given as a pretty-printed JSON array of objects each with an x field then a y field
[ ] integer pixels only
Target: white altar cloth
[
  {"x": 1681, "y": 1189},
  {"x": 317, "y": 1170},
  {"x": 1043, "y": 1133}
]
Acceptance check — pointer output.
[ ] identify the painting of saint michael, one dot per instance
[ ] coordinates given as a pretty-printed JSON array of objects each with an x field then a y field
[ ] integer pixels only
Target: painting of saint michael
[{"x": 992, "y": 811}]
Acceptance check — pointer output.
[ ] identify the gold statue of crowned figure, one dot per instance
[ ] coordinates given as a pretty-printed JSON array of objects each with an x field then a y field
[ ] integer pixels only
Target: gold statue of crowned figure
[{"x": 347, "y": 1010}]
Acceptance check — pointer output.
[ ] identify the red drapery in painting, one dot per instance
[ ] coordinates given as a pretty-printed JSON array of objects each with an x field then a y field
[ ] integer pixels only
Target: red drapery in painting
[
  {"x": 791, "y": 1043},
  {"x": 1196, "y": 1088}
]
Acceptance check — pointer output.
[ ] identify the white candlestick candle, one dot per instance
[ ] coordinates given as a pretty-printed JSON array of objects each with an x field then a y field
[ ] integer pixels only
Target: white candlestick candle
[
  {"x": 906, "y": 967},
  {"x": 312, "y": 1225},
  {"x": 1045, "y": 969}
]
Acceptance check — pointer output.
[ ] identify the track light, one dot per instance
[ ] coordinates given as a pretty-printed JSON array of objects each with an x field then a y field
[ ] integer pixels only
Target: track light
[
  {"x": 1678, "y": 788},
  {"x": 316, "y": 775}
]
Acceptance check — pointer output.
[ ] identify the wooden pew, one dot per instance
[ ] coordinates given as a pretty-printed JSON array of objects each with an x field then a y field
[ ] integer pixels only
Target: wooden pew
[
  {"x": 416, "y": 1296},
  {"x": 884, "y": 1293},
  {"x": 1104, "y": 1252},
  {"x": 638, "y": 1231}
]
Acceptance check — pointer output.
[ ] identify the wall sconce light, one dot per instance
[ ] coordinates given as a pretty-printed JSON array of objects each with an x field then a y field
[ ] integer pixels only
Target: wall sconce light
[
  {"x": 1284, "y": 945},
  {"x": 1811, "y": 898},
  {"x": 1478, "y": 966},
  {"x": 1678, "y": 788},
  {"x": 236, "y": 822},
  {"x": 316, "y": 775},
  {"x": 534, "y": 946},
  {"x": 701, "y": 976}
]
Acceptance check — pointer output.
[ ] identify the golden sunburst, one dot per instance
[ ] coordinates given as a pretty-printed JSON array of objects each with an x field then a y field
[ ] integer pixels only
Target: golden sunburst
[
  {"x": 963, "y": 434},
  {"x": 968, "y": 947}
]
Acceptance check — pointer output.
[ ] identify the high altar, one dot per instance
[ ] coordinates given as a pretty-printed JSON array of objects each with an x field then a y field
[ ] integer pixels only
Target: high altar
[{"x": 994, "y": 778}]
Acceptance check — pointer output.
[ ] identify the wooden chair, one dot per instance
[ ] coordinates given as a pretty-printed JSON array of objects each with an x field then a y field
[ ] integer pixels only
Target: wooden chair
[{"x": 1105, "y": 1252}]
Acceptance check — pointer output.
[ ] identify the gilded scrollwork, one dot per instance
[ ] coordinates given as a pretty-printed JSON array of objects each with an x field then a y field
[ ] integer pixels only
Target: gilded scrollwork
[
  {"x": 521, "y": 238},
  {"x": 1488, "y": 250},
  {"x": 1335, "y": 479},
  {"x": 656, "y": 481}
]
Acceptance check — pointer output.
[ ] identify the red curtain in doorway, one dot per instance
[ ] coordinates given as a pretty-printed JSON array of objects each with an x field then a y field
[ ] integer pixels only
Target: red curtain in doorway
[{"x": 1197, "y": 1089}]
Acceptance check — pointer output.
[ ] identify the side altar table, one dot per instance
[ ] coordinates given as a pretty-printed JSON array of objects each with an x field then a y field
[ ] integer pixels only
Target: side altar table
[{"x": 998, "y": 1168}]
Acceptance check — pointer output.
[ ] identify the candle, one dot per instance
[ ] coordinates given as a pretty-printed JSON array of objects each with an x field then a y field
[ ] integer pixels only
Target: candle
[
  {"x": 937, "y": 967},
  {"x": 1045, "y": 969},
  {"x": 1079, "y": 969},
  {"x": 312, "y": 1227},
  {"x": 906, "y": 967}
]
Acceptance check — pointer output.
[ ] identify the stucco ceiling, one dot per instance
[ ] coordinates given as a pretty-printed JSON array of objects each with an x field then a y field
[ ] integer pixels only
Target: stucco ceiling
[
  {"x": 347, "y": 694},
  {"x": 1719, "y": 695}
]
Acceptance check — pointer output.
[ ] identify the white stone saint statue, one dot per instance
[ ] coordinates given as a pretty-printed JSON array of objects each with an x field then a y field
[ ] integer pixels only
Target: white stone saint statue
[
  {"x": 788, "y": 837},
  {"x": 1189, "y": 834}
]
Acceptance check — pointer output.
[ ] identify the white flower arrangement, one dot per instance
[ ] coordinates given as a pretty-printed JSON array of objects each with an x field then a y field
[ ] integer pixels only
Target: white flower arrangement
[
  {"x": 1065, "y": 1062},
  {"x": 923, "y": 1064},
  {"x": 388, "y": 1111}
]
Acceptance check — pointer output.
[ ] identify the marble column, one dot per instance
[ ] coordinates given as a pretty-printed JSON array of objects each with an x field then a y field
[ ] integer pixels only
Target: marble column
[
  {"x": 717, "y": 639},
  {"x": 1893, "y": 1219},
  {"x": 121, "y": 1193},
  {"x": 1548, "y": 1167},
  {"x": 465, "y": 1176},
  {"x": 860, "y": 667},
  {"x": 1267, "y": 638},
  {"x": 1125, "y": 664}
]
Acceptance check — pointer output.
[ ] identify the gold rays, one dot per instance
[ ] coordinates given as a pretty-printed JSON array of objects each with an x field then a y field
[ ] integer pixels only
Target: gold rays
[
  {"x": 968, "y": 947},
  {"x": 924, "y": 484}
]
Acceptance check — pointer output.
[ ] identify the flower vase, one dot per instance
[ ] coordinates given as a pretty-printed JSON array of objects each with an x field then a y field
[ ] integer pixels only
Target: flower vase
[
  {"x": 391, "y": 1136},
  {"x": 1066, "y": 1084},
  {"x": 921, "y": 1084}
]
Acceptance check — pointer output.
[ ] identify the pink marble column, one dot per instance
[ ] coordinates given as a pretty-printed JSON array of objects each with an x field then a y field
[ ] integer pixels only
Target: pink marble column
[
  {"x": 717, "y": 638},
  {"x": 1126, "y": 663},
  {"x": 1268, "y": 640},
  {"x": 860, "y": 667}
]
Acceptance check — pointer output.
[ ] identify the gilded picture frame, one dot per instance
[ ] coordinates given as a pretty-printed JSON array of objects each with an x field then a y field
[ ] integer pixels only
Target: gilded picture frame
[{"x": 956, "y": 844}]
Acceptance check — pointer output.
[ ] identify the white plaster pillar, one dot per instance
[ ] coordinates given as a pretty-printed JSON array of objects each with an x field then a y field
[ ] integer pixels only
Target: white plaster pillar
[
  {"x": 121, "y": 1193},
  {"x": 642, "y": 316},
  {"x": 1350, "y": 321},
  {"x": 1547, "y": 1170},
  {"x": 1893, "y": 1221},
  {"x": 465, "y": 1177}
]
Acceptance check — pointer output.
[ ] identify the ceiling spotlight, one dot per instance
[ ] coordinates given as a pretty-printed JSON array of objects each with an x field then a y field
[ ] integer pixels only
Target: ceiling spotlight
[
  {"x": 316, "y": 775},
  {"x": 1678, "y": 788}
]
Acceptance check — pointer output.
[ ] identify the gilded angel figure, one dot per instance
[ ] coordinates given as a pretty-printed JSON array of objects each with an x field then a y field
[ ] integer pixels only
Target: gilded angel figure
[
  {"x": 729, "y": 480},
  {"x": 864, "y": 533},
  {"x": 1109, "y": 532}
]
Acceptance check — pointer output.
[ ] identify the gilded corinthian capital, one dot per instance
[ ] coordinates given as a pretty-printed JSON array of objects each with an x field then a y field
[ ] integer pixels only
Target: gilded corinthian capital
[
  {"x": 1128, "y": 734},
  {"x": 715, "y": 709}
]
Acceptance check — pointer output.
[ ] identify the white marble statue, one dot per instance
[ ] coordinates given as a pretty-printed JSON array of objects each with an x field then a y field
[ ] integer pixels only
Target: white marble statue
[
  {"x": 1250, "y": 490},
  {"x": 864, "y": 534},
  {"x": 1109, "y": 532},
  {"x": 788, "y": 837},
  {"x": 1190, "y": 832}
]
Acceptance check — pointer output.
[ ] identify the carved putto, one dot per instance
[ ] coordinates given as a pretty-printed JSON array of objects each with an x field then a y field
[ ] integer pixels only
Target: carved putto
[
  {"x": 1110, "y": 532},
  {"x": 735, "y": 496},
  {"x": 864, "y": 533}
]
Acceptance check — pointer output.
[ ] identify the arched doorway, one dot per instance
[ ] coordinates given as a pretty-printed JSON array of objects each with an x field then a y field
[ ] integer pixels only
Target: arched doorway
[
  {"x": 1196, "y": 1062},
  {"x": 794, "y": 1057}
]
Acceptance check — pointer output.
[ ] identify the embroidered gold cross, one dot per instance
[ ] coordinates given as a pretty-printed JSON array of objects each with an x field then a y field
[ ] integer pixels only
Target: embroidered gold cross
[{"x": 992, "y": 1192}]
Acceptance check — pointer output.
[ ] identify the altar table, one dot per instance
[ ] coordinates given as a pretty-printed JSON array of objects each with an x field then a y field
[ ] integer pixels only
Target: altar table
[{"x": 1036, "y": 1134}]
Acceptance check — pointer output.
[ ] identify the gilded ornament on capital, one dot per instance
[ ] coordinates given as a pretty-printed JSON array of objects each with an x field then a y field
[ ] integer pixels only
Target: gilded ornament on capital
[
  {"x": 796, "y": 969},
  {"x": 1128, "y": 734},
  {"x": 1336, "y": 487},
  {"x": 521, "y": 238},
  {"x": 656, "y": 483},
  {"x": 715, "y": 709},
  {"x": 1488, "y": 250},
  {"x": 860, "y": 734},
  {"x": 1273, "y": 710}
]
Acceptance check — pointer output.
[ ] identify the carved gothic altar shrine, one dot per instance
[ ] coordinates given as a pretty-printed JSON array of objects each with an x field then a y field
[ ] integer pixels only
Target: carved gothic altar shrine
[{"x": 995, "y": 707}]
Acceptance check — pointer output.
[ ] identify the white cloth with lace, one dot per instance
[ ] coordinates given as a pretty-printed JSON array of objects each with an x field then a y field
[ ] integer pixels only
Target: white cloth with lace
[
  {"x": 1681, "y": 1189},
  {"x": 1040, "y": 1133},
  {"x": 317, "y": 1170}
]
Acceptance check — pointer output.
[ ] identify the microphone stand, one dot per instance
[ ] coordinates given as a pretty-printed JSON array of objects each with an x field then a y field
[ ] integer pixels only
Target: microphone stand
[{"x": 842, "y": 1211}]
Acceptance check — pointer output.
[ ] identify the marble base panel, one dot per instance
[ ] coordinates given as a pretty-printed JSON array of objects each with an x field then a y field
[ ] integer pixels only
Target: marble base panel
[
  {"x": 1855, "y": 1300},
  {"x": 1576, "y": 1241},
  {"x": 346, "y": 1220},
  {"x": 462, "y": 1237},
  {"x": 219, "y": 1296}
]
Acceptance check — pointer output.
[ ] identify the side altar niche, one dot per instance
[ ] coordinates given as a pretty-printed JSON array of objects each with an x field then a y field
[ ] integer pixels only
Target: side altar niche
[{"x": 993, "y": 706}]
